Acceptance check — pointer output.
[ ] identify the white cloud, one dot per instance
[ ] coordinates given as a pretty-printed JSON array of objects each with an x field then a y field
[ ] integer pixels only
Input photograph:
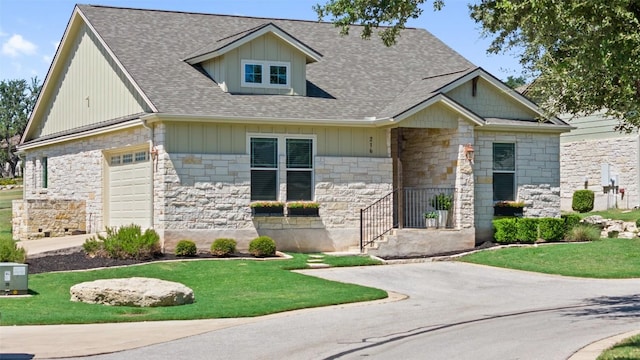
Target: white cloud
[
  {"x": 17, "y": 45},
  {"x": 47, "y": 59}
]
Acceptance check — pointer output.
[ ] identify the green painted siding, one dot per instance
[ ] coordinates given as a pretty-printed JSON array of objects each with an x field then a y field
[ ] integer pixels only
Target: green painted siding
[
  {"x": 227, "y": 72},
  {"x": 490, "y": 101},
  {"x": 592, "y": 127},
  {"x": 78, "y": 102},
  {"x": 437, "y": 116},
  {"x": 203, "y": 138}
]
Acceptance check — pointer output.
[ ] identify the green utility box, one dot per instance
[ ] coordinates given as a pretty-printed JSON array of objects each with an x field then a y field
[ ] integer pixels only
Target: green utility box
[{"x": 14, "y": 278}]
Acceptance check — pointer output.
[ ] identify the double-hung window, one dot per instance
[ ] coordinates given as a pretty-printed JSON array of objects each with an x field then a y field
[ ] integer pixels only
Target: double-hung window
[
  {"x": 266, "y": 172},
  {"x": 266, "y": 74},
  {"x": 504, "y": 171}
]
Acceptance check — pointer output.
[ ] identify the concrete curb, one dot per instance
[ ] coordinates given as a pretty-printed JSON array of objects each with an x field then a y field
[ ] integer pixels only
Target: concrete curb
[{"x": 593, "y": 350}]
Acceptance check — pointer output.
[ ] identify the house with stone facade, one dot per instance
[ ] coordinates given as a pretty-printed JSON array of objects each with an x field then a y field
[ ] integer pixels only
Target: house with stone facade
[
  {"x": 595, "y": 156},
  {"x": 180, "y": 121}
]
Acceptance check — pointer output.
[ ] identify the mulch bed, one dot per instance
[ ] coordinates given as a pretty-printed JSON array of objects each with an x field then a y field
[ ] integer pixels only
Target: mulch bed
[{"x": 76, "y": 259}]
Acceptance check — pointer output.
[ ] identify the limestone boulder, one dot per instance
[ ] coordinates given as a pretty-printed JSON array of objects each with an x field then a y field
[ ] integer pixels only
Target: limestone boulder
[{"x": 135, "y": 291}]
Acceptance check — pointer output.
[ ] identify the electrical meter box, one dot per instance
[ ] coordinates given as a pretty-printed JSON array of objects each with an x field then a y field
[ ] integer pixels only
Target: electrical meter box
[{"x": 14, "y": 278}]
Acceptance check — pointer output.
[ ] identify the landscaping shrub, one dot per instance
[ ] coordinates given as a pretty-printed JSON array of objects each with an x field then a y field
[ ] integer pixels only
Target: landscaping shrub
[
  {"x": 10, "y": 252},
  {"x": 570, "y": 220},
  {"x": 186, "y": 248},
  {"x": 223, "y": 247},
  {"x": 126, "y": 242},
  {"x": 505, "y": 230},
  {"x": 527, "y": 229},
  {"x": 582, "y": 201},
  {"x": 583, "y": 232},
  {"x": 638, "y": 223},
  {"x": 262, "y": 246},
  {"x": 551, "y": 229},
  {"x": 8, "y": 181}
]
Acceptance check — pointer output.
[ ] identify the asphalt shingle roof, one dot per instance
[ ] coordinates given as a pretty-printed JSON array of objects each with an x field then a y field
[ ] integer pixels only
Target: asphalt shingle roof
[{"x": 354, "y": 79}]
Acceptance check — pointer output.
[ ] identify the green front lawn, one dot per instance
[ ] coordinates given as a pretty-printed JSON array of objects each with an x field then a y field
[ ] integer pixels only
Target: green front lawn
[
  {"x": 626, "y": 349},
  {"x": 606, "y": 258},
  {"x": 222, "y": 289},
  {"x": 6, "y": 197},
  {"x": 615, "y": 214}
]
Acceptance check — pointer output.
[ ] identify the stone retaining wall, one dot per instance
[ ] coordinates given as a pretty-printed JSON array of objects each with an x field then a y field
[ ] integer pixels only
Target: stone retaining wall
[{"x": 34, "y": 218}]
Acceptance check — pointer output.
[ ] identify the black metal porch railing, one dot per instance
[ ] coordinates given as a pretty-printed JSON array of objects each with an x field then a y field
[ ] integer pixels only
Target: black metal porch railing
[{"x": 382, "y": 216}]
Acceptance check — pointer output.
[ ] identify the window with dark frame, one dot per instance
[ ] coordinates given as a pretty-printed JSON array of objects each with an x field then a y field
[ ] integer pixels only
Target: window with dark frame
[
  {"x": 264, "y": 168},
  {"x": 504, "y": 171},
  {"x": 299, "y": 169}
]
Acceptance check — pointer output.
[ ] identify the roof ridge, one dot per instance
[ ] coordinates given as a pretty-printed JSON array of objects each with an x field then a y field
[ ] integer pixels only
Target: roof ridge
[
  {"x": 245, "y": 31},
  {"x": 445, "y": 74},
  {"x": 230, "y": 15}
]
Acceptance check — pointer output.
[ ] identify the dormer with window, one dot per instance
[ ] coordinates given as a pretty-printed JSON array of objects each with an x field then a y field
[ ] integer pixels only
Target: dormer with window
[{"x": 262, "y": 60}]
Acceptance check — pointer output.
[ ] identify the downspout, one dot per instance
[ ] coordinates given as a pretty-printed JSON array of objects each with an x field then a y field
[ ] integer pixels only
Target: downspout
[{"x": 153, "y": 152}]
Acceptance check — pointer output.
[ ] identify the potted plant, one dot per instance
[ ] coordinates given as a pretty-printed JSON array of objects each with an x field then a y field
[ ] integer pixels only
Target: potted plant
[
  {"x": 442, "y": 203},
  {"x": 267, "y": 208},
  {"x": 303, "y": 208},
  {"x": 431, "y": 219},
  {"x": 508, "y": 208}
]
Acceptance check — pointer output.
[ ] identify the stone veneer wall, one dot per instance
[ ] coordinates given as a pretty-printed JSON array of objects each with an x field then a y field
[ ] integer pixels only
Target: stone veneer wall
[
  {"x": 585, "y": 158},
  {"x": 208, "y": 196},
  {"x": 48, "y": 218},
  {"x": 75, "y": 171},
  {"x": 537, "y": 175}
]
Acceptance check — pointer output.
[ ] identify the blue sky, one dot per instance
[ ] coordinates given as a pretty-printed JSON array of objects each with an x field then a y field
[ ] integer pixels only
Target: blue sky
[{"x": 30, "y": 30}]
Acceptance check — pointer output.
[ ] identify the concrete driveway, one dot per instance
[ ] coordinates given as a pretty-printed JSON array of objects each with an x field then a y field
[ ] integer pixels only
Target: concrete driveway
[{"x": 453, "y": 311}]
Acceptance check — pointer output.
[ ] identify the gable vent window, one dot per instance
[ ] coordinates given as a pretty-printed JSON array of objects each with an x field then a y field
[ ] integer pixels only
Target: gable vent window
[{"x": 265, "y": 74}]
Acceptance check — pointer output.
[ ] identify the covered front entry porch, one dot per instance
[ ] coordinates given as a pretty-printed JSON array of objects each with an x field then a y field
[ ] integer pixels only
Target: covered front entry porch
[{"x": 431, "y": 210}]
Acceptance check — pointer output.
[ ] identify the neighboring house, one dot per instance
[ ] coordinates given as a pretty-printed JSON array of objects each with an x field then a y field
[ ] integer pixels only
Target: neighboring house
[
  {"x": 179, "y": 121},
  {"x": 594, "y": 156}
]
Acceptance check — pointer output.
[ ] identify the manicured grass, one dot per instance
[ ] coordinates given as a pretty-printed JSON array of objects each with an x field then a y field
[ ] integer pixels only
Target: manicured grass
[
  {"x": 606, "y": 258},
  {"x": 227, "y": 288},
  {"x": 615, "y": 214},
  {"x": 626, "y": 349},
  {"x": 6, "y": 196}
]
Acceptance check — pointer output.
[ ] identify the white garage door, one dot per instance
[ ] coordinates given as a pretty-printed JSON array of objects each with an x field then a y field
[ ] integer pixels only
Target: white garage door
[{"x": 130, "y": 189}]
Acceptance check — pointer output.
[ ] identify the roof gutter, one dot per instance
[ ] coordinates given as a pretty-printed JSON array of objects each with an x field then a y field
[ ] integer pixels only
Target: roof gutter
[
  {"x": 527, "y": 127},
  {"x": 365, "y": 122}
]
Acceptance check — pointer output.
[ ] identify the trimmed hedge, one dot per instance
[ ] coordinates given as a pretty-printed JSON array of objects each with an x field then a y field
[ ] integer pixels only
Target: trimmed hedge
[
  {"x": 186, "y": 248},
  {"x": 506, "y": 230},
  {"x": 223, "y": 247},
  {"x": 551, "y": 229},
  {"x": 527, "y": 229},
  {"x": 262, "y": 246},
  {"x": 570, "y": 221},
  {"x": 582, "y": 201}
]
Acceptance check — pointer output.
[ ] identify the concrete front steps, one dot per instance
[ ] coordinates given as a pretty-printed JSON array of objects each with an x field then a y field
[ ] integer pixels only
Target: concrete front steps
[{"x": 422, "y": 242}]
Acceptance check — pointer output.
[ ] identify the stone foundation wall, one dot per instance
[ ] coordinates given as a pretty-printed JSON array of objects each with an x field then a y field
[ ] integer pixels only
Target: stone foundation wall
[
  {"x": 582, "y": 159},
  {"x": 35, "y": 218},
  {"x": 207, "y": 196},
  {"x": 540, "y": 200}
]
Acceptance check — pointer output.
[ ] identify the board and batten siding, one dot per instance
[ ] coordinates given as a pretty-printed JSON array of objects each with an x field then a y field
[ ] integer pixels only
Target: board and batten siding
[
  {"x": 437, "y": 116},
  {"x": 490, "y": 101},
  {"x": 226, "y": 71},
  {"x": 203, "y": 138},
  {"x": 78, "y": 102},
  {"x": 593, "y": 127}
]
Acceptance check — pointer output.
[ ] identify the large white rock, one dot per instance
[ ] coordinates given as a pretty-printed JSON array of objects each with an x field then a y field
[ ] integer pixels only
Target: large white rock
[{"x": 135, "y": 291}]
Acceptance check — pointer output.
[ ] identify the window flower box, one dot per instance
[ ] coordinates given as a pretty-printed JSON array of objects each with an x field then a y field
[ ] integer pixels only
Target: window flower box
[
  {"x": 303, "y": 208},
  {"x": 267, "y": 208},
  {"x": 508, "y": 208}
]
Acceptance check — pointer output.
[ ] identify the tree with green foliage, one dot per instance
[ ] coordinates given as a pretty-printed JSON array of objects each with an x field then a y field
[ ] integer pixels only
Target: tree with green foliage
[
  {"x": 17, "y": 100},
  {"x": 585, "y": 55},
  {"x": 514, "y": 82}
]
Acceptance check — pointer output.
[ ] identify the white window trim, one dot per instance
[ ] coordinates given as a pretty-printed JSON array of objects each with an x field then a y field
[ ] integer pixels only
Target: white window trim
[
  {"x": 265, "y": 74},
  {"x": 282, "y": 156}
]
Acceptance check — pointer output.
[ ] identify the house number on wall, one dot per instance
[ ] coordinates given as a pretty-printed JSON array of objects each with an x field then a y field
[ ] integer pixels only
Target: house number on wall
[{"x": 370, "y": 144}]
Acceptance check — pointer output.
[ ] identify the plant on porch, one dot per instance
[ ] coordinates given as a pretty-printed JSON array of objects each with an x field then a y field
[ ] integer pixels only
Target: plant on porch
[
  {"x": 431, "y": 219},
  {"x": 442, "y": 203},
  {"x": 267, "y": 208}
]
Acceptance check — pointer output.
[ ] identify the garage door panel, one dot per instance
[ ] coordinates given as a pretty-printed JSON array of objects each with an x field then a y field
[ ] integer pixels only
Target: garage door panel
[{"x": 130, "y": 192}]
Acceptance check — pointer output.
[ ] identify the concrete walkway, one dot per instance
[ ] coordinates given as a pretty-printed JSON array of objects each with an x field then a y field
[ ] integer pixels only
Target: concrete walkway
[{"x": 55, "y": 341}]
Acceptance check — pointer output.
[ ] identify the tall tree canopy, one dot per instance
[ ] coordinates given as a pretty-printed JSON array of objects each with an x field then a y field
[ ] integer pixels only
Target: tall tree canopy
[
  {"x": 585, "y": 55},
  {"x": 17, "y": 100}
]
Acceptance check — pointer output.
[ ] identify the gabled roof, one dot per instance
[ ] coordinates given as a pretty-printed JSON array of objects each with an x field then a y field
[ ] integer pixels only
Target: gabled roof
[
  {"x": 351, "y": 81},
  {"x": 228, "y": 43},
  {"x": 355, "y": 78}
]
